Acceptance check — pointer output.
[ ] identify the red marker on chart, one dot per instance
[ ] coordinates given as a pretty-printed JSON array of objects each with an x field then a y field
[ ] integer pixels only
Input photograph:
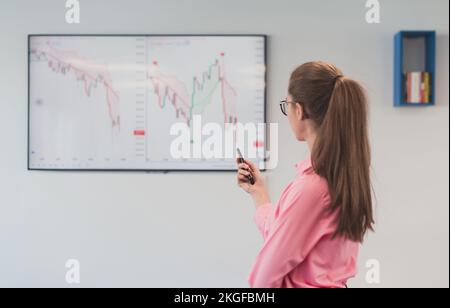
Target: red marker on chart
[
  {"x": 258, "y": 144},
  {"x": 139, "y": 132}
]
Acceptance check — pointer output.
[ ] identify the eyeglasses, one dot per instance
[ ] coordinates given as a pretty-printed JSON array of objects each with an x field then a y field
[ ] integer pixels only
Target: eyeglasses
[{"x": 283, "y": 106}]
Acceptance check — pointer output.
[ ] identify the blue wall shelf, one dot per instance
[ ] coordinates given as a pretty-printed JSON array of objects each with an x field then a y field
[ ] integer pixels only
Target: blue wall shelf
[{"x": 414, "y": 51}]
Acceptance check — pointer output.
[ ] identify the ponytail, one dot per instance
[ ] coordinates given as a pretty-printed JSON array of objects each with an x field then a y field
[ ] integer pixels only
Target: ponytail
[{"x": 341, "y": 151}]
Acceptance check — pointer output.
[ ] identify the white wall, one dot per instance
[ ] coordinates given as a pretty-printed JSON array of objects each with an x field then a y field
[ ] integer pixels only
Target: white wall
[{"x": 196, "y": 229}]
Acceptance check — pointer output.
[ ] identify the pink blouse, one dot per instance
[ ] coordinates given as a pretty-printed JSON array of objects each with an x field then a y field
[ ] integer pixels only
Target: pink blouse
[{"x": 298, "y": 248}]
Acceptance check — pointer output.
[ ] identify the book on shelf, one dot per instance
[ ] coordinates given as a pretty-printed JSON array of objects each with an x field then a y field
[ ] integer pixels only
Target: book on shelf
[{"x": 417, "y": 88}]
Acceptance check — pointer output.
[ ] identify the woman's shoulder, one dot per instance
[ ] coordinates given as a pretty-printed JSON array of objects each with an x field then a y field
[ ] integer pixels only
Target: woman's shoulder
[
  {"x": 308, "y": 179},
  {"x": 312, "y": 183},
  {"x": 306, "y": 191}
]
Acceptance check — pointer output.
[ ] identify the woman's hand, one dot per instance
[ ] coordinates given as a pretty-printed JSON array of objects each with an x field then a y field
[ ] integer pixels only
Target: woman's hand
[{"x": 258, "y": 191}]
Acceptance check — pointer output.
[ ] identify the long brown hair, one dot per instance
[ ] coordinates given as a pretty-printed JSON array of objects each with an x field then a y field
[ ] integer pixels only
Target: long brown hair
[{"x": 341, "y": 153}]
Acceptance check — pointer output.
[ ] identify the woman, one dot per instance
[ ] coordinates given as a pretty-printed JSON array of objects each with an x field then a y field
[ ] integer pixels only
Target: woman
[{"x": 312, "y": 234}]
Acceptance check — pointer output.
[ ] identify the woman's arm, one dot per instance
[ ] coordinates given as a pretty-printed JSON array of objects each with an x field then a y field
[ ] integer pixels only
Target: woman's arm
[
  {"x": 261, "y": 218},
  {"x": 290, "y": 238},
  {"x": 258, "y": 192}
]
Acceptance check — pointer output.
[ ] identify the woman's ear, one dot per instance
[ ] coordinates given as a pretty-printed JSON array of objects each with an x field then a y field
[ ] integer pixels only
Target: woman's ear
[{"x": 299, "y": 112}]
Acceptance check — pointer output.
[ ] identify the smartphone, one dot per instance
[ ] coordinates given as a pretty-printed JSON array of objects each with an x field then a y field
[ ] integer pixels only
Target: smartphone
[{"x": 241, "y": 160}]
